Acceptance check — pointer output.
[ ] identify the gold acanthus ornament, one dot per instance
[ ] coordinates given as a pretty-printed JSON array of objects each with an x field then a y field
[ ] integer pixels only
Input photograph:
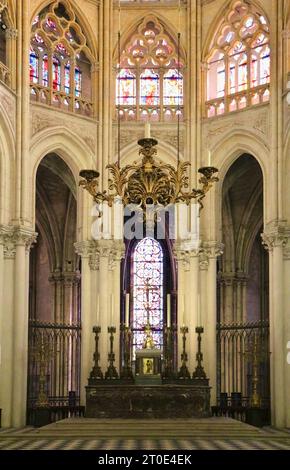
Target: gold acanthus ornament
[{"x": 149, "y": 182}]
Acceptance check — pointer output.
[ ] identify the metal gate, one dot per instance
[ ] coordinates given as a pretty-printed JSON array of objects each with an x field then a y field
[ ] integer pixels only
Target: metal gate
[
  {"x": 54, "y": 364},
  {"x": 243, "y": 362}
]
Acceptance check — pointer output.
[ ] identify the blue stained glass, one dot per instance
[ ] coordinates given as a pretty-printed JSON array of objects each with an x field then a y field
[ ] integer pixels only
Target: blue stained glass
[
  {"x": 45, "y": 70},
  {"x": 33, "y": 69},
  {"x": 126, "y": 88},
  {"x": 56, "y": 79},
  {"x": 173, "y": 88},
  {"x": 147, "y": 280},
  {"x": 149, "y": 88},
  {"x": 78, "y": 82},
  {"x": 67, "y": 79}
]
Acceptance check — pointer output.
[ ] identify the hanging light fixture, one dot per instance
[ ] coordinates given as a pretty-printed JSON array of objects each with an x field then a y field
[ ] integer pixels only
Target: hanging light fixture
[{"x": 149, "y": 182}]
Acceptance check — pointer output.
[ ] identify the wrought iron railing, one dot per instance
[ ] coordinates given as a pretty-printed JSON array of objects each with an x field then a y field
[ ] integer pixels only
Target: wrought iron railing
[
  {"x": 58, "y": 370},
  {"x": 235, "y": 359}
]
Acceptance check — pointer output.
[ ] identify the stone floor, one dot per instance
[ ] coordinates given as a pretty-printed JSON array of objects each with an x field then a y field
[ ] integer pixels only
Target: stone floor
[{"x": 191, "y": 434}]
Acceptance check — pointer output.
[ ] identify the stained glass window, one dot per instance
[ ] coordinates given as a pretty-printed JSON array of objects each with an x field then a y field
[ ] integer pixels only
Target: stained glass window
[
  {"x": 56, "y": 42},
  {"x": 56, "y": 80},
  {"x": 67, "y": 79},
  {"x": 78, "y": 81},
  {"x": 147, "y": 280},
  {"x": 243, "y": 42},
  {"x": 173, "y": 88},
  {"x": 126, "y": 88},
  {"x": 150, "y": 78},
  {"x": 34, "y": 61},
  {"x": 149, "y": 88},
  {"x": 45, "y": 70}
]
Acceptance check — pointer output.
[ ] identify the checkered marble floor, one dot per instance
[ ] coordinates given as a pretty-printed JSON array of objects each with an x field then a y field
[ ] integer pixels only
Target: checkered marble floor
[{"x": 85, "y": 434}]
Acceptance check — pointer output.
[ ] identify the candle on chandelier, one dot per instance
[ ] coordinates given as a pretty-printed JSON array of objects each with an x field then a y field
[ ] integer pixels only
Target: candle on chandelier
[
  {"x": 209, "y": 157},
  {"x": 147, "y": 130},
  {"x": 127, "y": 302},
  {"x": 168, "y": 310}
]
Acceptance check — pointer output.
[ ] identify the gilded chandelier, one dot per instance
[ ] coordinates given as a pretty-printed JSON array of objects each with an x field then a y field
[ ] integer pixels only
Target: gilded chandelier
[{"x": 149, "y": 182}]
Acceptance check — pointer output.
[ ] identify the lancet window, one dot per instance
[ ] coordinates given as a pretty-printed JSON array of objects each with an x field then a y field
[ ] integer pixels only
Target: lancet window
[
  {"x": 60, "y": 60},
  {"x": 149, "y": 85},
  {"x": 238, "y": 65}
]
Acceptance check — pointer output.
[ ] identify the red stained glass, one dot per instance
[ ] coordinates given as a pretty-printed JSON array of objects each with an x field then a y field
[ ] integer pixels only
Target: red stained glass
[{"x": 147, "y": 284}]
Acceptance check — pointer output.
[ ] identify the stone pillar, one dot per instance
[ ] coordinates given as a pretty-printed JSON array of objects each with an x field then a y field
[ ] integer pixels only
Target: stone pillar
[
  {"x": 104, "y": 248},
  {"x": 275, "y": 238},
  {"x": 187, "y": 299},
  {"x": 115, "y": 267},
  {"x": 180, "y": 320},
  {"x": 211, "y": 251},
  {"x": 286, "y": 289},
  {"x": 23, "y": 240},
  {"x": 84, "y": 249},
  {"x": 11, "y": 36},
  {"x": 7, "y": 256}
]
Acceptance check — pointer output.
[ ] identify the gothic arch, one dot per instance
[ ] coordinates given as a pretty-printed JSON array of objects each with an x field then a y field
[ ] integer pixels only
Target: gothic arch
[
  {"x": 170, "y": 29},
  {"x": 224, "y": 153},
  {"x": 7, "y": 162},
  {"x": 72, "y": 150},
  {"x": 85, "y": 25},
  {"x": 219, "y": 19}
]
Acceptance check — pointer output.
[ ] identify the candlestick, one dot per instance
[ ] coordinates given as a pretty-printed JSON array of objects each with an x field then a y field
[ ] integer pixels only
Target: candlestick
[
  {"x": 98, "y": 309},
  {"x": 168, "y": 310},
  {"x": 127, "y": 310},
  {"x": 112, "y": 310},
  {"x": 147, "y": 130},
  {"x": 198, "y": 311},
  {"x": 209, "y": 157}
]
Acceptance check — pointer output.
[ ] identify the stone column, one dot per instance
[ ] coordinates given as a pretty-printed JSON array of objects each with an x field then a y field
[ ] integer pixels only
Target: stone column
[
  {"x": 7, "y": 256},
  {"x": 286, "y": 288},
  {"x": 115, "y": 267},
  {"x": 22, "y": 239},
  {"x": 211, "y": 250},
  {"x": 275, "y": 238},
  {"x": 84, "y": 249},
  {"x": 104, "y": 248},
  {"x": 11, "y": 36},
  {"x": 182, "y": 265}
]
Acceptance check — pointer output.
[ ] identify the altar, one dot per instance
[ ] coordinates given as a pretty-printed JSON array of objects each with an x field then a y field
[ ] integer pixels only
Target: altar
[
  {"x": 177, "y": 400},
  {"x": 155, "y": 390}
]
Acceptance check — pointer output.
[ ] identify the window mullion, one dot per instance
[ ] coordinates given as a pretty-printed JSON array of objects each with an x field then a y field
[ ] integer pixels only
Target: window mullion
[
  {"x": 138, "y": 72},
  {"x": 227, "y": 83},
  {"x": 161, "y": 102},
  {"x": 249, "y": 77}
]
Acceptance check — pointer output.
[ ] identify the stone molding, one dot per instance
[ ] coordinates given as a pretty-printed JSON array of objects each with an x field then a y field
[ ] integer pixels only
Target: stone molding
[
  {"x": 11, "y": 33},
  {"x": 209, "y": 250},
  {"x": 276, "y": 234},
  {"x": 96, "y": 249},
  {"x": 11, "y": 237}
]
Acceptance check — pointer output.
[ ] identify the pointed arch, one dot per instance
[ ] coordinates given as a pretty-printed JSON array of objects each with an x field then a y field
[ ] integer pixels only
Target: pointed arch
[
  {"x": 237, "y": 58},
  {"x": 57, "y": 36},
  {"x": 151, "y": 57}
]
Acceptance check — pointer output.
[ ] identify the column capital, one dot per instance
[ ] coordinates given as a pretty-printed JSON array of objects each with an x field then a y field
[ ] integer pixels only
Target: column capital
[
  {"x": 227, "y": 278},
  {"x": 276, "y": 234},
  {"x": 184, "y": 253},
  {"x": 212, "y": 249},
  {"x": 11, "y": 236},
  {"x": 11, "y": 33},
  {"x": 84, "y": 248}
]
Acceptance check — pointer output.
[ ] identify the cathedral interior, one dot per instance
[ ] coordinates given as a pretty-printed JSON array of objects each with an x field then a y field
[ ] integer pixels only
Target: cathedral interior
[{"x": 145, "y": 219}]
